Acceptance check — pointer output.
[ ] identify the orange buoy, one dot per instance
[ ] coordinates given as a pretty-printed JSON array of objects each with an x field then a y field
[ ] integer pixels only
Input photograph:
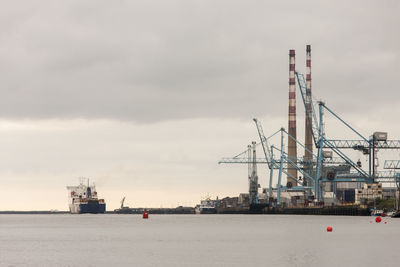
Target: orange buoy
[
  {"x": 378, "y": 219},
  {"x": 145, "y": 214},
  {"x": 329, "y": 229}
]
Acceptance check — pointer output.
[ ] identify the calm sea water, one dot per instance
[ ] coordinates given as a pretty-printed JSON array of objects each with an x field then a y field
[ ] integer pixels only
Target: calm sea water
[{"x": 197, "y": 240}]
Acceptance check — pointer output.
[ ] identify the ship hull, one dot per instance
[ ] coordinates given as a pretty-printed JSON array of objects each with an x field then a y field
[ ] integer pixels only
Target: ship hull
[
  {"x": 208, "y": 210},
  {"x": 93, "y": 207}
]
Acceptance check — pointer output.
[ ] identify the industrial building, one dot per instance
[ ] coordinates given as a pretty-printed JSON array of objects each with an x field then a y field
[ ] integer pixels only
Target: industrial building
[{"x": 327, "y": 173}]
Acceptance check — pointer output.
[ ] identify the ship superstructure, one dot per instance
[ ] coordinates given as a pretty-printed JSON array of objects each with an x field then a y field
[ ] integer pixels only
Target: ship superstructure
[{"x": 83, "y": 198}]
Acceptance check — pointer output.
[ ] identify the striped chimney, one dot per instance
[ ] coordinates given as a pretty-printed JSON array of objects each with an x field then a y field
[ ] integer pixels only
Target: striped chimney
[
  {"x": 308, "y": 134},
  {"x": 292, "y": 146}
]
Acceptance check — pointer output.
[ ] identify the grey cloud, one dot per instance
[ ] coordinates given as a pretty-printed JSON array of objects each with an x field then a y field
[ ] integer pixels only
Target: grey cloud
[{"x": 157, "y": 60}]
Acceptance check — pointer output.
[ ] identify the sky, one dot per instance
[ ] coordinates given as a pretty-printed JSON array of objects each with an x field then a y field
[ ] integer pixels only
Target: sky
[{"x": 145, "y": 97}]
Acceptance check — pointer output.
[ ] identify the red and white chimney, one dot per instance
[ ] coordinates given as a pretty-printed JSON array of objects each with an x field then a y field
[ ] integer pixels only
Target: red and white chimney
[{"x": 292, "y": 146}]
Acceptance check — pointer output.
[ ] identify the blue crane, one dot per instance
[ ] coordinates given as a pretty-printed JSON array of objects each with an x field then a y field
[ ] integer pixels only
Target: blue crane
[
  {"x": 277, "y": 159},
  {"x": 284, "y": 158},
  {"x": 367, "y": 146}
]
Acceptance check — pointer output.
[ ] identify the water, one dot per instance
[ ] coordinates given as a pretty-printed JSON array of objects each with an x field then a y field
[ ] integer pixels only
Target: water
[{"x": 197, "y": 240}]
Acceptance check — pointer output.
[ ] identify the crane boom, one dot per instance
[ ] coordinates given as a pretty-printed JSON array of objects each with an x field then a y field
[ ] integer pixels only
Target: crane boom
[
  {"x": 122, "y": 202},
  {"x": 307, "y": 101},
  {"x": 264, "y": 143}
]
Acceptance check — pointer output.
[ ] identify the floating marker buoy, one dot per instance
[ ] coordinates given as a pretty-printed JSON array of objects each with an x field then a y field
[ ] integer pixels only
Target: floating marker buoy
[
  {"x": 385, "y": 222},
  {"x": 329, "y": 229},
  {"x": 378, "y": 219},
  {"x": 383, "y": 214},
  {"x": 145, "y": 214}
]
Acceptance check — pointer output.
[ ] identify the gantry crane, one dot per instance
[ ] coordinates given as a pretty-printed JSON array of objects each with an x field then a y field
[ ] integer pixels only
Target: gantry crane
[
  {"x": 277, "y": 158},
  {"x": 311, "y": 169},
  {"x": 367, "y": 146},
  {"x": 284, "y": 158}
]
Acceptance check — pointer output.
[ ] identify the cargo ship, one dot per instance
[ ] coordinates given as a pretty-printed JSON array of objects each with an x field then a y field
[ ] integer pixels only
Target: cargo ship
[
  {"x": 206, "y": 206},
  {"x": 83, "y": 198}
]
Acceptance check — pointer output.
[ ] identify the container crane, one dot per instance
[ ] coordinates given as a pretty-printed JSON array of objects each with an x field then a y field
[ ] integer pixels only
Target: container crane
[
  {"x": 367, "y": 146},
  {"x": 268, "y": 153}
]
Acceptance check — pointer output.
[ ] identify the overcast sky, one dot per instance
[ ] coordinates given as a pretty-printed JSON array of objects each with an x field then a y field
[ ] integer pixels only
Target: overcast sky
[{"x": 144, "y": 97}]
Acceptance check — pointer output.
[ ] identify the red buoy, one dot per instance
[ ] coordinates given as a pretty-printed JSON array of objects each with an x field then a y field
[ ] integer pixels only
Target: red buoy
[
  {"x": 145, "y": 214},
  {"x": 329, "y": 229},
  {"x": 385, "y": 222},
  {"x": 378, "y": 219}
]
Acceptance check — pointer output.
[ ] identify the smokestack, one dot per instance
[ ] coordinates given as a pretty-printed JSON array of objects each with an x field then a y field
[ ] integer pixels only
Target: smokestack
[
  {"x": 292, "y": 146},
  {"x": 308, "y": 134}
]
